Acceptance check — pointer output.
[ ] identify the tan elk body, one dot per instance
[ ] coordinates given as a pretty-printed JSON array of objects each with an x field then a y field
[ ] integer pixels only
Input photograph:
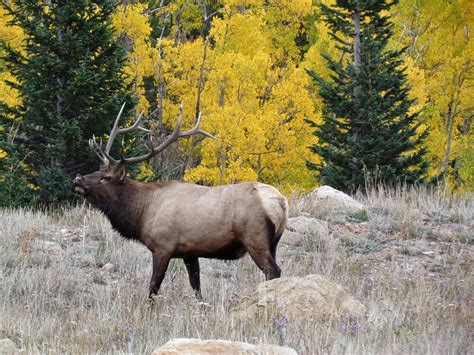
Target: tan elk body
[{"x": 188, "y": 221}]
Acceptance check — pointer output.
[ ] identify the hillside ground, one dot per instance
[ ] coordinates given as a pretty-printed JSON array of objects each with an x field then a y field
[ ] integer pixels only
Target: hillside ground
[{"x": 408, "y": 258}]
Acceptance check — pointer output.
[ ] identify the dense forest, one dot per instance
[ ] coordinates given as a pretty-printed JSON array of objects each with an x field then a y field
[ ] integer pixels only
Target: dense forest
[{"x": 260, "y": 72}]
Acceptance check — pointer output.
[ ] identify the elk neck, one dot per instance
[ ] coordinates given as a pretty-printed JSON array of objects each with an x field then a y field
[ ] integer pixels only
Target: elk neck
[{"x": 125, "y": 211}]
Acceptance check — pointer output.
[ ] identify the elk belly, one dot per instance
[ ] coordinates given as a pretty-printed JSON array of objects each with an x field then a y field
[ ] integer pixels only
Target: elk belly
[{"x": 231, "y": 251}]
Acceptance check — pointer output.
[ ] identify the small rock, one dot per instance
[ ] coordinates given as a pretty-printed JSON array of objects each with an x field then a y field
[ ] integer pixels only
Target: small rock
[
  {"x": 64, "y": 231},
  {"x": 436, "y": 268},
  {"x": 48, "y": 247},
  {"x": 290, "y": 238},
  {"x": 108, "y": 267},
  {"x": 326, "y": 200},
  {"x": 348, "y": 240},
  {"x": 428, "y": 253},
  {"x": 303, "y": 228},
  {"x": 410, "y": 250},
  {"x": 81, "y": 249},
  {"x": 218, "y": 346},
  {"x": 204, "y": 305},
  {"x": 309, "y": 226},
  {"x": 7, "y": 346}
]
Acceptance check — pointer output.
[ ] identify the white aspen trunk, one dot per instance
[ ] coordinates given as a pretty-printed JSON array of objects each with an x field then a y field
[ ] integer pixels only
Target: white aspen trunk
[{"x": 450, "y": 118}]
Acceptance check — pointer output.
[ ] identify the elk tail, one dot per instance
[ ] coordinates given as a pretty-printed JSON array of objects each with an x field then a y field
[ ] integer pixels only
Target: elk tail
[{"x": 275, "y": 206}]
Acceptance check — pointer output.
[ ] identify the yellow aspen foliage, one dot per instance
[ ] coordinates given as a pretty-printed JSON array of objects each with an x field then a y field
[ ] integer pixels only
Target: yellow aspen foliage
[
  {"x": 418, "y": 87},
  {"x": 314, "y": 59},
  {"x": 295, "y": 7},
  {"x": 130, "y": 21},
  {"x": 144, "y": 173},
  {"x": 181, "y": 68},
  {"x": 255, "y": 107},
  {"x": 8, "y": 95},
  {"x": 232, "y": 34},
  {"x": 14, "y": 37},
  {"x": 441, "y": 67},
  {"x": 284, "y": 23},
  {"x": 234, "y": 4}
]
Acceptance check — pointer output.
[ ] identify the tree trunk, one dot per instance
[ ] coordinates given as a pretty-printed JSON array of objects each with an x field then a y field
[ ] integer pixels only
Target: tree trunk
[
  {"x": 450, "y": 117},
  {"x": 357, "y": 129},
  {"x": 357, "y": 40},
  {"x": 61, "y": 80}
]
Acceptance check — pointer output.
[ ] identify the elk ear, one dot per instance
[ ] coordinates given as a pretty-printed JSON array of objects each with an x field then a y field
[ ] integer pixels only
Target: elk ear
[{"x": 121, "y": 171}]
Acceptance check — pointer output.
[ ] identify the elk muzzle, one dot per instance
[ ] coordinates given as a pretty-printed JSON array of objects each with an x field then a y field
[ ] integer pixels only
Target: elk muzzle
[{"x": 77, "y": 184}]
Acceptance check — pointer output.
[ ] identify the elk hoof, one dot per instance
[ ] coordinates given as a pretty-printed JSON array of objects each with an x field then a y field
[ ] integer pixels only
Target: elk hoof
[
  {"x": 150, "y": 301},
  {"x": 204, "y": 305}
]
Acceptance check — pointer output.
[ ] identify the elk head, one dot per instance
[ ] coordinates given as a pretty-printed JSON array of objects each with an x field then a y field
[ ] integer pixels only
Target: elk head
[{"x": 102, "y": 185}]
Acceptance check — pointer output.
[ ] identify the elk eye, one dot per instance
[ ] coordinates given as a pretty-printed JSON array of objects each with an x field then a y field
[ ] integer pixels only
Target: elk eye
[{"x": 105, "y": 179}]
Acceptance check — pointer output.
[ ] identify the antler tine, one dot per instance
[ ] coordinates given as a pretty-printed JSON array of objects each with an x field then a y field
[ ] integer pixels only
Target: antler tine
[
  {"x": 94, "y": 146},
  {"x": 135, "y": 126},
  {"x": 196, "y": 129},
  {"x": 105, "y": 154},
  {"x": 171, "y": 138},
  {"x": 153, "y": 151},
  {"x": 114, "y": 131},
  {"x": 97, "y": 148}
]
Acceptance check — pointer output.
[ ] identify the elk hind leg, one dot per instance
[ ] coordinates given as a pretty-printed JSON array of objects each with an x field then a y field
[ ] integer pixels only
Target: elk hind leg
[
  {"x": 273, "y": 247},
  {"x": 265, "y": 262},
  {"x": 260, "y": 242},
  {"x": 261, "y": 252}
]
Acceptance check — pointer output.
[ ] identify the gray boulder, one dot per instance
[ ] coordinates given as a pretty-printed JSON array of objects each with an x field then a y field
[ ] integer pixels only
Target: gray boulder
[
  {"x": 325, "y": 200},
  {"x": 218, "y": 346}
]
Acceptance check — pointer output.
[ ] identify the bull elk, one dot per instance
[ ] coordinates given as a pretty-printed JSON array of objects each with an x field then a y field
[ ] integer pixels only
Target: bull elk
[{"x": 182, "y": 220}]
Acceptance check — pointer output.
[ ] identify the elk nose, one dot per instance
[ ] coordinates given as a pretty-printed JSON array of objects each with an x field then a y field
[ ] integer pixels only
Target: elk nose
[{"x": 78, "y": 178}]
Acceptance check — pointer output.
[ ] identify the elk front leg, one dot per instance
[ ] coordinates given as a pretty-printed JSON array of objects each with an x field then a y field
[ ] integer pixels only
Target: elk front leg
[
  {"x": 160, "y": 265},
  {"x": 192, "y": 265}
]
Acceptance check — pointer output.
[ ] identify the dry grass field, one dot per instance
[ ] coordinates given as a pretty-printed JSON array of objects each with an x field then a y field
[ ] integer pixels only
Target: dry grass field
[{"x": 408, "y": 259}]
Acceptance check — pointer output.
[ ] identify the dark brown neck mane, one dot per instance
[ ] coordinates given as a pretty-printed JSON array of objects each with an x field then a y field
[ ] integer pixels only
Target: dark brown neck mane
[{"x": 126, "y": 210}]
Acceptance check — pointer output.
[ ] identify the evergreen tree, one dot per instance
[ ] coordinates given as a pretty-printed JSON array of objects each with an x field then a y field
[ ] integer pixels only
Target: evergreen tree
[
  {"x": 14, "y": 188},
  {"x": 71, "y": 83},
  {"x": 367, "y": 130}
]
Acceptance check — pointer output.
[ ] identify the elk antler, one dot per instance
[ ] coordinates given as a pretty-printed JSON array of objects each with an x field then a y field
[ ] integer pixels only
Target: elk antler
[{"x": 104, "y": 155}]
